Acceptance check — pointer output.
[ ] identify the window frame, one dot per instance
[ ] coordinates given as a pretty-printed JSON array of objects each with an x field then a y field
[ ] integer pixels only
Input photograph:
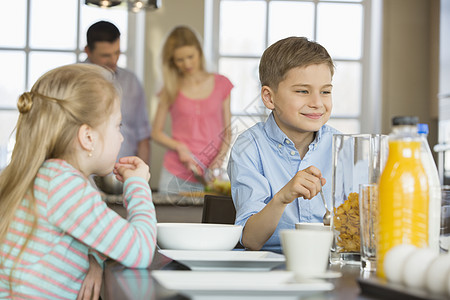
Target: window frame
[
  {"x": 369, "y": 118},
  {"x": 134, "y": 53}
]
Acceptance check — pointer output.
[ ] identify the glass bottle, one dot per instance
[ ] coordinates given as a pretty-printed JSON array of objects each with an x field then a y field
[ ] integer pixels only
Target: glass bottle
[
  {"x": 434, "y": 186},
  {"x": 403, "y": 192}
]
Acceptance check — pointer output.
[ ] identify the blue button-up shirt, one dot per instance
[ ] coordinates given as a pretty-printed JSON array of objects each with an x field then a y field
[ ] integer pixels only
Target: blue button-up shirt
[
  {"x": 263, "y": 160},
  {"x": 135, "y": 122}
]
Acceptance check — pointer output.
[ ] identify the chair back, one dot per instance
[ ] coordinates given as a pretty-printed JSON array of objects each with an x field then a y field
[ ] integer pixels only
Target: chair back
[{"x": 218, "y": 209}]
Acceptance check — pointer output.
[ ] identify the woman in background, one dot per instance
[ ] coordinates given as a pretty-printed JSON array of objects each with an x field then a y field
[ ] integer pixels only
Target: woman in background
[{"x": 199, "y": 106}]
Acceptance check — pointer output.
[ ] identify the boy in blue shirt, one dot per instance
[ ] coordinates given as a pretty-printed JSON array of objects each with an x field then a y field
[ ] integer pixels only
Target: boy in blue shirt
[{"x": 277, "y": 167}]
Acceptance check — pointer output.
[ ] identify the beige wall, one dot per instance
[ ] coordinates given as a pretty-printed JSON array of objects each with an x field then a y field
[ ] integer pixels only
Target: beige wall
[{"x": 410, "y": 59}]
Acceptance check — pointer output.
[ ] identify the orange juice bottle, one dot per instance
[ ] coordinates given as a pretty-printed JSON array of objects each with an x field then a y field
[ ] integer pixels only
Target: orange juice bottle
[{"x": 403, "y": 192}]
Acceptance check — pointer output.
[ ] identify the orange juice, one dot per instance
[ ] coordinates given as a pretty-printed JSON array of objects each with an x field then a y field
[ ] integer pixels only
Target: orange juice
[{"x": 403, "y": 199}]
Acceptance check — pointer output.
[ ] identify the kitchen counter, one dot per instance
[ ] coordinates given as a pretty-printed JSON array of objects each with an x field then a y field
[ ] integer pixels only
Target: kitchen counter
[
  {"x": 162, "y": 199},
  {"x": 169, "y": 208}
]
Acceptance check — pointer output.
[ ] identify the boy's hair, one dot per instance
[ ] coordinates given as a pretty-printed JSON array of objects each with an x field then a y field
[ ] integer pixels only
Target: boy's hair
[
  {"x": 289, "y": 53},
  {"x": 102, "y": 31},
  {"x": 59, "y": 102},
  {"x": 179, "y": 37}
]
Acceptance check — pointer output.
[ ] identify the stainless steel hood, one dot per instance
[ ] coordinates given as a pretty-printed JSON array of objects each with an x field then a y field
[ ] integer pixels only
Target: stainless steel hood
[{"x": 133, "y": 5}]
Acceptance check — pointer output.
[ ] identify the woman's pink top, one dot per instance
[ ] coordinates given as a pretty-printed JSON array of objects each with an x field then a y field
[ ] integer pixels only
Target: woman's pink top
[{"x": 199, "y": 125}]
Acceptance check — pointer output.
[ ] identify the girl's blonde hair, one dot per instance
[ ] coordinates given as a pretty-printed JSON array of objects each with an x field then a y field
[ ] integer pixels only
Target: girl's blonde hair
[
  {"x": 179, "y": 37},
  {"x": 60, "y": 102}
]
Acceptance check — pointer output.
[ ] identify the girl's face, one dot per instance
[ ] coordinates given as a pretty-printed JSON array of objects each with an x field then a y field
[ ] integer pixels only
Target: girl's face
[
  {"x": 187, "y": 59},
  {"x": 302, "y": 103},
  {"x": 110, "y": 140}
]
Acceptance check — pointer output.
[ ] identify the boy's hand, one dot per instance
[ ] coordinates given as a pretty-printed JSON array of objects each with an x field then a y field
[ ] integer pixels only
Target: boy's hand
[
  {"x": 90, "y": 288},
  {"x": 131, "y": 166},
  {"x": 306, "y": 183}
]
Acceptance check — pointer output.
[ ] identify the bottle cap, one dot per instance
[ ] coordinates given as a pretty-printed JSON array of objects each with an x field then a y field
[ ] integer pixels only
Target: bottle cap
[
  {"x": 422, "y": 128},
  {"x": 405, "y": 120}
]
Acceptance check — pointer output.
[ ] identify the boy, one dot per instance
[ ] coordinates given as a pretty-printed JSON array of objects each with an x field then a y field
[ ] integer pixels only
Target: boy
[{"x": 277, "y": 167}]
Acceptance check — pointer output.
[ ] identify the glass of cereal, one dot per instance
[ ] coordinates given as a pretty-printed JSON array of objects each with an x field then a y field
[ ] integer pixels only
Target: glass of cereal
[{"x": 357, "y": 159}]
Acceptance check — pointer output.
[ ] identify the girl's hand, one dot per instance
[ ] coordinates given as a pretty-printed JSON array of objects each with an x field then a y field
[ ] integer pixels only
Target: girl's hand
[
  {"x": 131, "y": 166},
  {"x": 90, "y": 288},
  {"x": 306, "y": 183}
]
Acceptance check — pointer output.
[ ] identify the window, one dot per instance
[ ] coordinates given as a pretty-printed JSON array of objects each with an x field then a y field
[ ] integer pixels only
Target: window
[
  {"x": 237, "y": 32},
  {"x": 38, "y": 35}
]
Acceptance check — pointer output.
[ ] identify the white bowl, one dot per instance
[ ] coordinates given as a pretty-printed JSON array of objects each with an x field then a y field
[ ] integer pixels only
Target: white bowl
[
  {"x": 197, "y": 236},
  {"x": 312, "y": 226}
]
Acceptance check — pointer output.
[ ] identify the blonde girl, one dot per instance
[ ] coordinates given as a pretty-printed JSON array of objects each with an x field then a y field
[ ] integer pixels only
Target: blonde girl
[
  {"x": 53, "y": 223},
  {"x": 199, "y": 106}
]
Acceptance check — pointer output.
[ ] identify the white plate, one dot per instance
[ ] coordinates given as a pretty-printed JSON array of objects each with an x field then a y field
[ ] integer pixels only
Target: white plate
[
  {"x": 226, "y": 260},
  {"x": 239, "y": 285},
  {"x": 327, "y": 275}
]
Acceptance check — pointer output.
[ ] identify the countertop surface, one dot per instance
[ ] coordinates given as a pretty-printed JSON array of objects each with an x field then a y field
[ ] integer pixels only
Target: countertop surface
[
  {"x": 124, "y": 283},
  {"x": 193, "y": 199}
]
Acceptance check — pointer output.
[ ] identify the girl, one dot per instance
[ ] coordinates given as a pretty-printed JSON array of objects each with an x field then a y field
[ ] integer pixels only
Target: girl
[
  {"x": 52, "y": 221},
  {"x": 199, "y": 105}
]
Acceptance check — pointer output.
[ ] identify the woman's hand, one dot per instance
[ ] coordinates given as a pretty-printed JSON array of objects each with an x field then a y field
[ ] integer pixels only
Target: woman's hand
[
  {"x": 217, "y": 163},
  {"x": 131, "y": 166},
  {"x": 185, "y": 156},
  {"x": 90, "y": 288}
]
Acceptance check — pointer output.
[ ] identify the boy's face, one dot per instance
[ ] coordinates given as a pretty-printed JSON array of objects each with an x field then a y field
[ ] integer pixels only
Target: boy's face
[{"x": 302, "y": 103}]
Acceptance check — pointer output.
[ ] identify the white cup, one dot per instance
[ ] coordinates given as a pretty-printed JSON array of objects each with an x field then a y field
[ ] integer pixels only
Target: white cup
[
  {"x": 306, "y": 251},
  {"x": 312, "y": 226}
]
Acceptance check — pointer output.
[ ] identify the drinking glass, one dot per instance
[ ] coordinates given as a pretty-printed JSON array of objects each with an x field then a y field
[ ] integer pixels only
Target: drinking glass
[
  {"x": 444, "y": 239},
  {"x": 368, "y": 210},
  {"x": 357, "y": 159}
]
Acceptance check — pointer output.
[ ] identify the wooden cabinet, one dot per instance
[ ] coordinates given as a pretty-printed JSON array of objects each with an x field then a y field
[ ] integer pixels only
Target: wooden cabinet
[{"x": 179, "y": 214}]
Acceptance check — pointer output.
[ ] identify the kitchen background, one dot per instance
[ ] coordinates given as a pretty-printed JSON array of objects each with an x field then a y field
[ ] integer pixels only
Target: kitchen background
[{"x": 386, "y": 52}]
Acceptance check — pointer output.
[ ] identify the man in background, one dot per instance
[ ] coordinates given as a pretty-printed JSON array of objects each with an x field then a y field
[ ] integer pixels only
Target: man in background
[{"x": 103, "y": 48}]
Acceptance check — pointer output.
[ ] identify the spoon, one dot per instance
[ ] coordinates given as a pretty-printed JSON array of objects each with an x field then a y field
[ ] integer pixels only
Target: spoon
[{"x": 327, "y": 215}]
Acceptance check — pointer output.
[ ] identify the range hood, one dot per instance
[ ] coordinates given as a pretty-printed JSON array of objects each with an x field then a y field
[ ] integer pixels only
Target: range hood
[{"x": 133, "y": 5}]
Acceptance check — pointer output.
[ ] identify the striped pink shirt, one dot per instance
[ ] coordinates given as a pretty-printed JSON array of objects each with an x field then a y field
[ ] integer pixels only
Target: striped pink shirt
[{"x": 73, "y": 222}]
